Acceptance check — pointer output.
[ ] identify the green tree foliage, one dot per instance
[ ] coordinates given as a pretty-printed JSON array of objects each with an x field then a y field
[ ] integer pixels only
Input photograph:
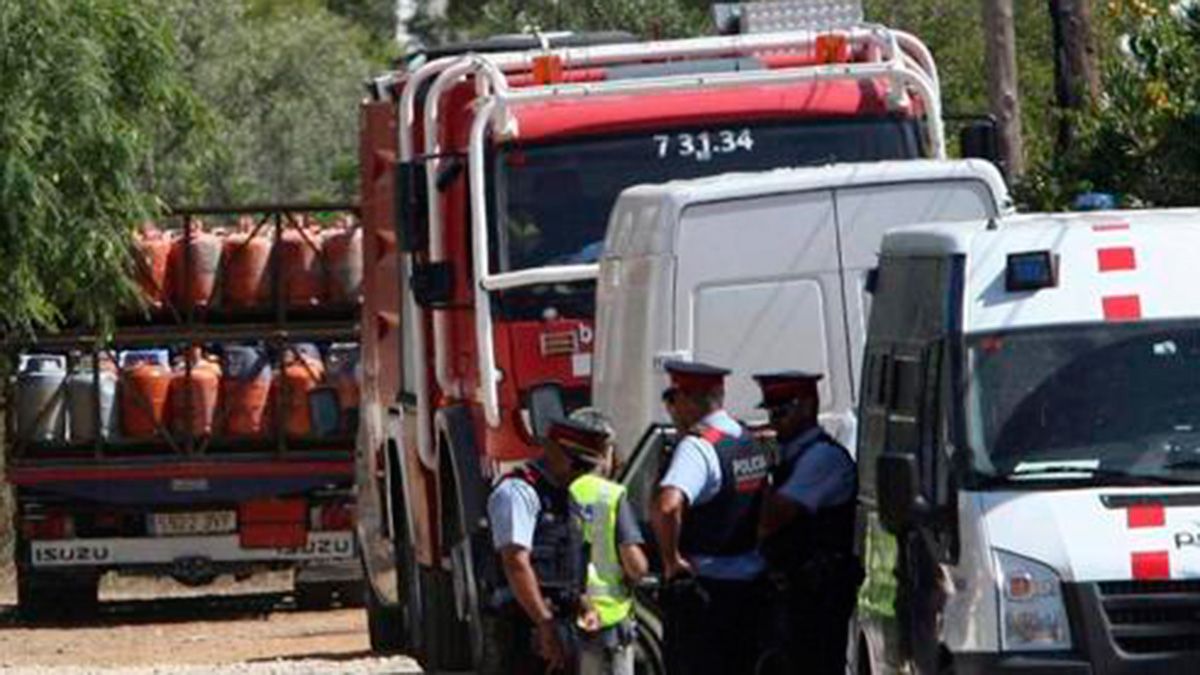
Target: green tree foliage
[
  {"x": 282, "y": 81},
  {"x": 89, "y": 90},
  {"x": 1142, "y": 141},
  {"x": 648, "y": 18}
]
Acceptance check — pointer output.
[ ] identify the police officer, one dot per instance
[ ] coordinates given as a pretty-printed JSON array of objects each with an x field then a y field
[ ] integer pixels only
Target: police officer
[
  {"x": 705, "y": 515},
  {"x": 541, "y": 554},
  {"x": 807, "y": 527},
  {"x": 613, "y": 540}
]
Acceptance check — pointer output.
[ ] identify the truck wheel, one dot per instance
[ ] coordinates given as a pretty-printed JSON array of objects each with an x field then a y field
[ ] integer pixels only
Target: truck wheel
[
  {"x": 384, "y": 624},
  {"x": 58, "y": 596},
  {"x": 447, "y": 640},
  {"x": 648, "y": 657}
]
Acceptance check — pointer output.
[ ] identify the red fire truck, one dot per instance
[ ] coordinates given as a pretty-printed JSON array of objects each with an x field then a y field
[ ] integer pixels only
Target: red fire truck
[{"x": 488, "y": 173}]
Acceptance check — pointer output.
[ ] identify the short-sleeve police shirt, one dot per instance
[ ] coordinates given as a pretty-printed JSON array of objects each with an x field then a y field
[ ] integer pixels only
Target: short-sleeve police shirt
[
  {"x": 513, "y": 510},
  {"x": 823, "y": 475}
]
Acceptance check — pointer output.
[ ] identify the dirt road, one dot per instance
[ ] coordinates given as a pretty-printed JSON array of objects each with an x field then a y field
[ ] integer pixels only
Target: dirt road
[{"x": 159, "y": 627}]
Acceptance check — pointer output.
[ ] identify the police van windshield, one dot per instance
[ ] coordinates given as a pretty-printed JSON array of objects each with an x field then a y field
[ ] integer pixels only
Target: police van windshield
[
  {"x": 551, "y": 201},
  {"x": 1089, "y": 402}
]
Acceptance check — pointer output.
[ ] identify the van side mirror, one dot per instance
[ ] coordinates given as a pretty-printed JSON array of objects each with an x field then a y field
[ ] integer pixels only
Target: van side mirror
[
  {"x": 411, "y": 204},
  {"x": 545, "y": 405},
  {"x": 901, "y": 504},
  {"x": 980, "y": 139}
]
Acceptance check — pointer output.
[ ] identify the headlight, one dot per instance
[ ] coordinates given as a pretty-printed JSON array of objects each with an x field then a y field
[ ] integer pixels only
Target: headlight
[{"x": 1032, "y": 614}]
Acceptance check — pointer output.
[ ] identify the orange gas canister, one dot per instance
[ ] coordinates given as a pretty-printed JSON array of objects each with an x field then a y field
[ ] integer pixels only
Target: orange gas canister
[
  {"x": 244, "y": 390},
  {"x": 145, "y": 382},
  {"x": 193, "y": 395},
  {"x": 194, "y": 266},
  {"x": 244, "y": 261},
  {"x": 343, "y": 250},
  {"x": 301, "y": 273},
  {"x": 153, "y": 250},
  {"x": 302, "y": 372}
]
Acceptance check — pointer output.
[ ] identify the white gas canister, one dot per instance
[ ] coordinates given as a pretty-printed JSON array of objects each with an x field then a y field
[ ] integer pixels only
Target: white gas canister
[
  {"x": 87, "y": 389},
  {"x": 41, "y": 412}
]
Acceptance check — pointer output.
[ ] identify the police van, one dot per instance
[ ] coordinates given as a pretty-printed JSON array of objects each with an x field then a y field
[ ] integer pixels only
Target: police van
[
  {"x": 757, "y": 272},
  {"x": 1029, "y": 447}
]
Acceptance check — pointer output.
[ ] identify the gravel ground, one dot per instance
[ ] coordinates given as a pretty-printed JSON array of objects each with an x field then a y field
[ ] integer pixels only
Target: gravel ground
[{"x": 156, "y": 626}]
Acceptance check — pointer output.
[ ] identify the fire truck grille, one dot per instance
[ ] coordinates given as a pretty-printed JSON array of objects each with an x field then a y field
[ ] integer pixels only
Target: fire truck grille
[
  {"x": 559, "y": 344},
  {"x": 1146, "y": 617}
]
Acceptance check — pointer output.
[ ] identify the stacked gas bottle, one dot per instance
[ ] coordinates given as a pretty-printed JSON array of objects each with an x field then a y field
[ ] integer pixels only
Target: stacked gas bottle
[
  {"x": 230, "y": 266},
  {"x": 146, "y": 393}
]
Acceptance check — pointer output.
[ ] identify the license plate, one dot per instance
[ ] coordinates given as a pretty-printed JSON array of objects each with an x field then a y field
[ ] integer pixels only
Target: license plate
[{"x": 197, "y": 522}]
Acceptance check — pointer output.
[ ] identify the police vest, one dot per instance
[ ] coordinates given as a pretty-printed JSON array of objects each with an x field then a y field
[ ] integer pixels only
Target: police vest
[
  {"x": 814, "y": 543},
  {"x": 557, "y": 555},
  {"x": 727, "y": 524},
  {"x": 597, "y": 501}
]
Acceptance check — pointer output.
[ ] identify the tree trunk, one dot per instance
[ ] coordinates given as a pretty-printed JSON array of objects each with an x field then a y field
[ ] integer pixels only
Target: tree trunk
[
  {"x": 1076, "y": 76},
  {"x": 1003, "y": 97}
]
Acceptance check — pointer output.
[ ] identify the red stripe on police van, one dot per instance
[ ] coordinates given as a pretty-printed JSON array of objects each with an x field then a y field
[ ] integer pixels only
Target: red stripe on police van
[
  {"x": 1145, "y": 515},
  {"x": 1122, "y": 307},
  {"x": 1109, "y": 227},
  {"x": 1150, "y": 565},
  {"x": 1116, "y": 259}
]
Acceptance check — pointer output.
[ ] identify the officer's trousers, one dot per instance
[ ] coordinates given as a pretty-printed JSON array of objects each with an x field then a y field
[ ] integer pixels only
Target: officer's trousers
[
  {"x": 720, "y": 635},
  {"x": 608, "y": 653},
  {"x": 813, "y": 630}
]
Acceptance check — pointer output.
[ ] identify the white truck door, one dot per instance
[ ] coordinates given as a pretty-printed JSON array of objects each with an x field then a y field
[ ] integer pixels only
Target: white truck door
[
  {"x": 758, "y": 288},
  {"x": 865, "y": 213}
]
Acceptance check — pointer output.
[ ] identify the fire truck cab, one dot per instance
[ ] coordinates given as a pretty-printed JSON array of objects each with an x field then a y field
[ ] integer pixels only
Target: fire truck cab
[{"x": 487, "y": 181}]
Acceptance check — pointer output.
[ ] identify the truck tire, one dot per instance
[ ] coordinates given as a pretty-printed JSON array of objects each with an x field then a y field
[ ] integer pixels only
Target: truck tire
[
  {"x": 57, "y": 596},
  {"x": 384, "y": 624},
  {"x": 447, "y": 640}
]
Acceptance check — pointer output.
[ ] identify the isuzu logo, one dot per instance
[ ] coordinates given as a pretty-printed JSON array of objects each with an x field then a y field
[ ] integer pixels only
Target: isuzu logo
[{"x": 71, "y": 553}]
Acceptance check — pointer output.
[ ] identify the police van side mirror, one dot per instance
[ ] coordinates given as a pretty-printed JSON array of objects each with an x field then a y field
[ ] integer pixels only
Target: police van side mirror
[
  {"x": 545, "y": 404},
  {"x": 980, "y": 139},
  {"x": 901, "y": 504}
]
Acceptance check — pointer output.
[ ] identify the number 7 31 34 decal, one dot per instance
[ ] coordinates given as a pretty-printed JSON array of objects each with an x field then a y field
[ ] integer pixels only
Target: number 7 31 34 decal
[{"x": 702, "y": 146}]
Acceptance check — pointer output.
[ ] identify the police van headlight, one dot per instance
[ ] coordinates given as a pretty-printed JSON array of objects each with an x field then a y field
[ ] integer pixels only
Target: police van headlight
[{"x": 1033, "y": 616}]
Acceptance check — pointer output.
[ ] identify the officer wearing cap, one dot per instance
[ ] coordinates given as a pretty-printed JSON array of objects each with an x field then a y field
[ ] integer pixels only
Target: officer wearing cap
[
  {"x": 705, "y": 515},
  {"x": 541, "y": 554},
  {"x": 612, "y": 539},
  {"x": 807, "y": 526}
]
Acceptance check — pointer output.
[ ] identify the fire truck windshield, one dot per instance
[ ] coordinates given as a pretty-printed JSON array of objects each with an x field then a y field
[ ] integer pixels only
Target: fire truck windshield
[{"x": 551, "y": 201}]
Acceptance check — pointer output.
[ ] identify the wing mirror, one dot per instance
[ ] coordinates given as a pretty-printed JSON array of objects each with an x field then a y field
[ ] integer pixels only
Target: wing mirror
[
  {"x": 545, "y": 404},
  {"x": 901, "y": 504}
]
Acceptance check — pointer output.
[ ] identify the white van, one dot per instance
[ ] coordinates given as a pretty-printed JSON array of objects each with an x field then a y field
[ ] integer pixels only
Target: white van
[
  {"x": 757, "y": 272},
  {"x": 1029, "y": 448}
]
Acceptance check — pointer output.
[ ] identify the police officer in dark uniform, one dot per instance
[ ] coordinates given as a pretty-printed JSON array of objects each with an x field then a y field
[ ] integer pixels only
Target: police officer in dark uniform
[
  {"x": 705, "y": 515},
  {"x": 541, "y": 554},
  {"x": 807, "y": 528}
]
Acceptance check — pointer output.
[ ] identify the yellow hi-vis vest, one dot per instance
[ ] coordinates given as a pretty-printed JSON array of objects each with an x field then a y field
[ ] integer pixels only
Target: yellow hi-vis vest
[{"x": 597, "y": 500}]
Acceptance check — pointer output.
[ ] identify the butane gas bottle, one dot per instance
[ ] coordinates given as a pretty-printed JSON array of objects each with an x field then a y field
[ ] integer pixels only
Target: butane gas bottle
[
  {"x": 144, "y": 386},
  {"x": 245, "y": 259},
  {"x": 343, "y": 373},
  {"x": 193, "y": 265},
  {"x": 343, "y": 249},
  {"x": 244, "y": 390},
  {"x": 40, "y": 398},
  {"x": 302, "y": 276},
  {"x": 92, "y": 394},
  {"x": 153, "y": 250},
  {"x": 194, "y": 395},
  {"x": 301, "y": 373}
]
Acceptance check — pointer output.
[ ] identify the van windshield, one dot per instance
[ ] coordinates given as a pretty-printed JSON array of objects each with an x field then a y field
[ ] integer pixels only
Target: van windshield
[
  {"x": 551, "y": 201},
  {"x": 1086, "y": 401}
]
